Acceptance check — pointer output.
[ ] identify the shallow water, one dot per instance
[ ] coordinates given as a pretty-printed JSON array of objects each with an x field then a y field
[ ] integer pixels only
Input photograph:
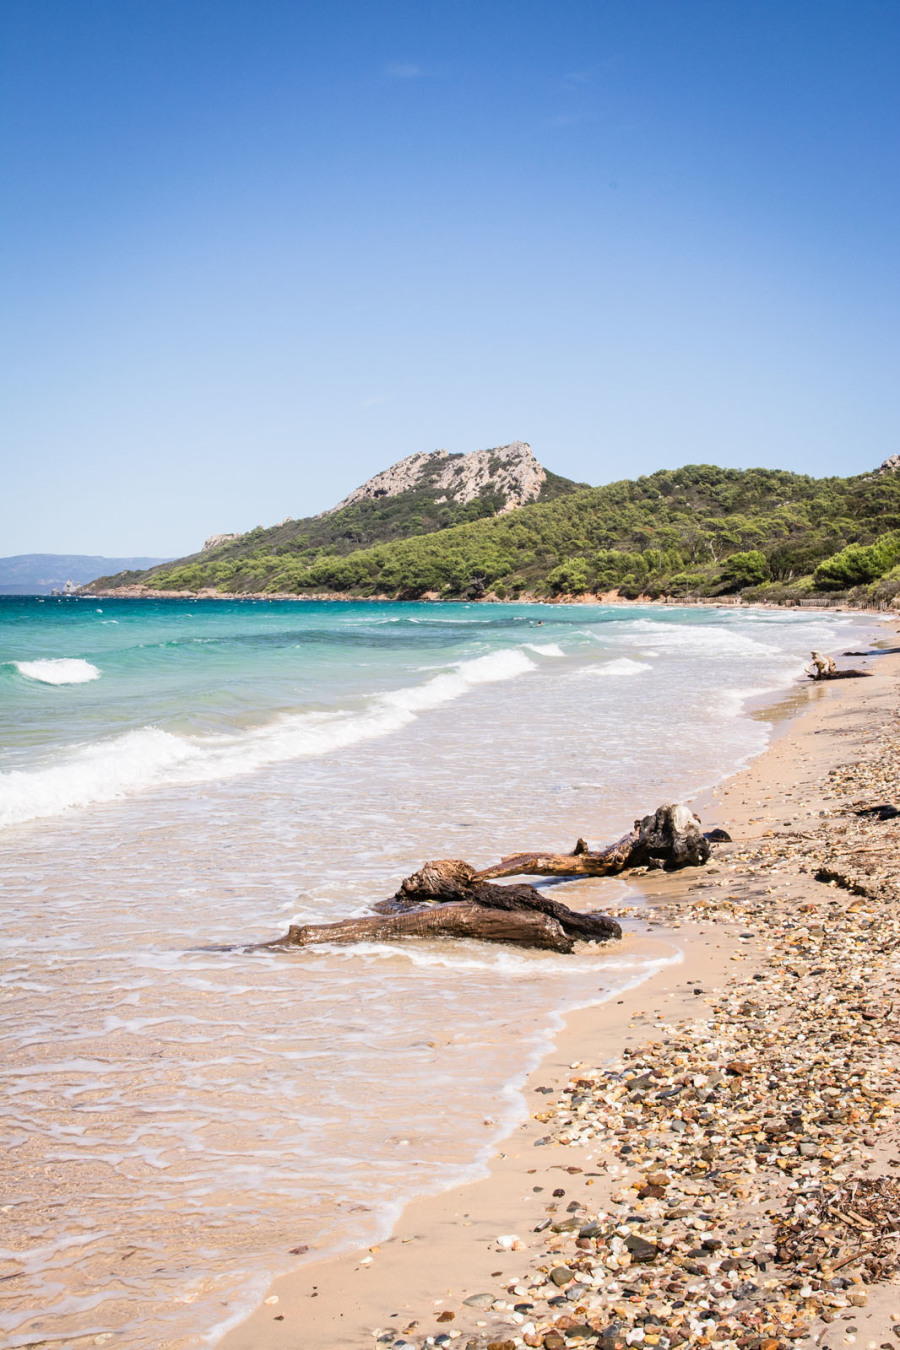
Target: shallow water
[{"x": 177, "y": 1120}]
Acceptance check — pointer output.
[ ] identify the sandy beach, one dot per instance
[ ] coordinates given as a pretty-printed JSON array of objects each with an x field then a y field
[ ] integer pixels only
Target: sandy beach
[{"x": 708, "y": 1159}]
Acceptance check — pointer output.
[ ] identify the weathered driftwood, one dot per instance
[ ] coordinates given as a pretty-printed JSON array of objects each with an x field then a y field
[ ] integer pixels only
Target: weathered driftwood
[
  {"x": 449, "y": 898},
  {"x": 450, "y": 880},
  {"x": 524, "y": 928},
  {"x": 840, "y": 675},
  {"x": 824, "y": 668},
  {"x": 670, "y": 838}
]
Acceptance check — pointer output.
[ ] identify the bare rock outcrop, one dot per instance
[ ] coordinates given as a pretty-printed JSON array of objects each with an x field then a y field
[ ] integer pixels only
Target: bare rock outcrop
[
  {"x": 509, "y": 471},
  {"x": 215, "y": 540}
]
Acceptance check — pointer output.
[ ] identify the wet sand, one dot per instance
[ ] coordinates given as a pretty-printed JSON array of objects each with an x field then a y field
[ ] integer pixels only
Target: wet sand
[{"x": 765, "y": 944}]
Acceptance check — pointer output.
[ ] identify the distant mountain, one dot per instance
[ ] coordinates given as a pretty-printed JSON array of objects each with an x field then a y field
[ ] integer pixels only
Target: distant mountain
[
  {"x": 41, "y": 573},
  {"x": 422, "y": 494}
]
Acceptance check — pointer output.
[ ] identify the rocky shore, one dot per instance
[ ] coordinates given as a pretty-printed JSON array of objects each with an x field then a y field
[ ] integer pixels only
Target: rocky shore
[
  {"x": 753, "y": 1203},
  {"x": 731, "y": 1177},
  {"x": 751, "y": 1207}
]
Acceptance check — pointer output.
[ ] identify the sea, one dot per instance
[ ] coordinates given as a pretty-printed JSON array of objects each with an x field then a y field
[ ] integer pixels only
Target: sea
[{"x": 182, "y": 1117}]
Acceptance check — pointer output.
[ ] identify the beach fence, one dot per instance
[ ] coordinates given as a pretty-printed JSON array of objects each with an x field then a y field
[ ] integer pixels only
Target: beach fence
[{"x": 830, "y": 603}]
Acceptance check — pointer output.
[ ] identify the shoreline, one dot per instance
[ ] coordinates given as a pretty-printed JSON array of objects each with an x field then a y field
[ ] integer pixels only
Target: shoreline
[
  {"x": 609, "y": 598},
  {"x": 444, "y": 1248},
  {"x": 446, "y": 1244}
]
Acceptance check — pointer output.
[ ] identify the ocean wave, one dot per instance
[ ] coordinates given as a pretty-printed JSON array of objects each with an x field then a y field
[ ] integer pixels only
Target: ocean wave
[
  {"x": 545, "y": 648},
  {"x": 58, "y": 670},
  {"x": 150, "y": 757},
  {"x": 501, "y": 665},
  {"x": 467, "y": 622},
  {"x": 622, "y": 665},
  {"x": 707, "y": 639},
  {"x": 733, "y": 702}
]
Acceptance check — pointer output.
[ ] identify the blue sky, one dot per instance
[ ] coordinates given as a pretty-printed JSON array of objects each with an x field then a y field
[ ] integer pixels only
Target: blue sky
[{"x": 254, "y": 252}]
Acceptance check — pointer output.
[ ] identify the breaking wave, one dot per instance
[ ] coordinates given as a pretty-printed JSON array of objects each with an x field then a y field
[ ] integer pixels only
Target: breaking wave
[
  {"x": 545, "y": 648},
  {"x": 58, "y": 670},
  {"x": 623, "y": 665},
  {"x": 709, "y": 640},
  {"x": 150, "y": 757}
]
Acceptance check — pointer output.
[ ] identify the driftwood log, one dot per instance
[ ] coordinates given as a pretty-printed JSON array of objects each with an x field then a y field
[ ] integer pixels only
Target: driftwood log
[
  {"x": 824, "y": 668},
  {"x": 670, "y": 838},
  {"x": 459, "y": 920},
  {"x": 449, "y": 880},
  {"x": 841, "y": 675},
  {"x": 449, "y": 898}
]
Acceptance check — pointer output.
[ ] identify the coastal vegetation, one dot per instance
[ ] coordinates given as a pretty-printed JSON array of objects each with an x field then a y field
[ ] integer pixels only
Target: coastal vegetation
[{"x": 696, "y": 531}]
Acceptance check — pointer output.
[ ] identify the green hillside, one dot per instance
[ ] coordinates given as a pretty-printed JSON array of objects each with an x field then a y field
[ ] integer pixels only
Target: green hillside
[
  {"x": 699, "y": 530},
  {"x": 361, "y": 525}
]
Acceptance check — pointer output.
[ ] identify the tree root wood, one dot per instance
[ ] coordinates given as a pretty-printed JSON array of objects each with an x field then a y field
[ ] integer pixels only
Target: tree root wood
[
  {"x": 449, "y": 898},
  {"x": 671, "y": 838},
  {"x": 449, "y": 880},
  {"x": 459, "y": 920},
  {"x": 840, "y": 675}
]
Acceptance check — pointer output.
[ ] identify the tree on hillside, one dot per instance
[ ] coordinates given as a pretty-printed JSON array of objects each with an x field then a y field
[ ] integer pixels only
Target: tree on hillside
[{"x": 745, "y": 569}]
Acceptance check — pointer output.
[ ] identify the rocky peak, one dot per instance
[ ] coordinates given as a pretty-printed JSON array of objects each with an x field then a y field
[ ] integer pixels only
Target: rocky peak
[
  {"x": 215, "y": 540},
  {"x": 889, "y": 465},
  {"x": 509, "y": 471}
]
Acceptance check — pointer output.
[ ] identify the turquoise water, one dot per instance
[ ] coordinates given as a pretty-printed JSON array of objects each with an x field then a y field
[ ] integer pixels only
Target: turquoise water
[
  {"x": 179, "y": 773},
  {"x": 99, "y": 701}
]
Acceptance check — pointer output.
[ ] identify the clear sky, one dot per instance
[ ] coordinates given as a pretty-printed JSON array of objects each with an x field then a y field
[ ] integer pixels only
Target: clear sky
[{"x": 254, "y": 251}]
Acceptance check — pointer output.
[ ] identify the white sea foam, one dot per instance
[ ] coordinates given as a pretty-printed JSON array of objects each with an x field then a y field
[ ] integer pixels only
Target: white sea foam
[
  {"x": 706, "y": 639},
  {"x": 151, "y": 758},
  {"x": 500, "y": 665},
  {"x": 733, "y": 702},
  {"x": 58, "y": 670},
  {"x": 622, "y": 665},
  {"x": 468, "y": 956},
  {"x": 545, "y": 648}
]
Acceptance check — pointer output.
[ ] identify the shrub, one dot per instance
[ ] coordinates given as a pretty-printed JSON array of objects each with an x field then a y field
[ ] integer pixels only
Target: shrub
[
  {"x": 858, "y": 563},
  {"x": 570, "y": 578},
  {"x": 683, "y": 582},
  {"x": 745, "y": 569}
]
